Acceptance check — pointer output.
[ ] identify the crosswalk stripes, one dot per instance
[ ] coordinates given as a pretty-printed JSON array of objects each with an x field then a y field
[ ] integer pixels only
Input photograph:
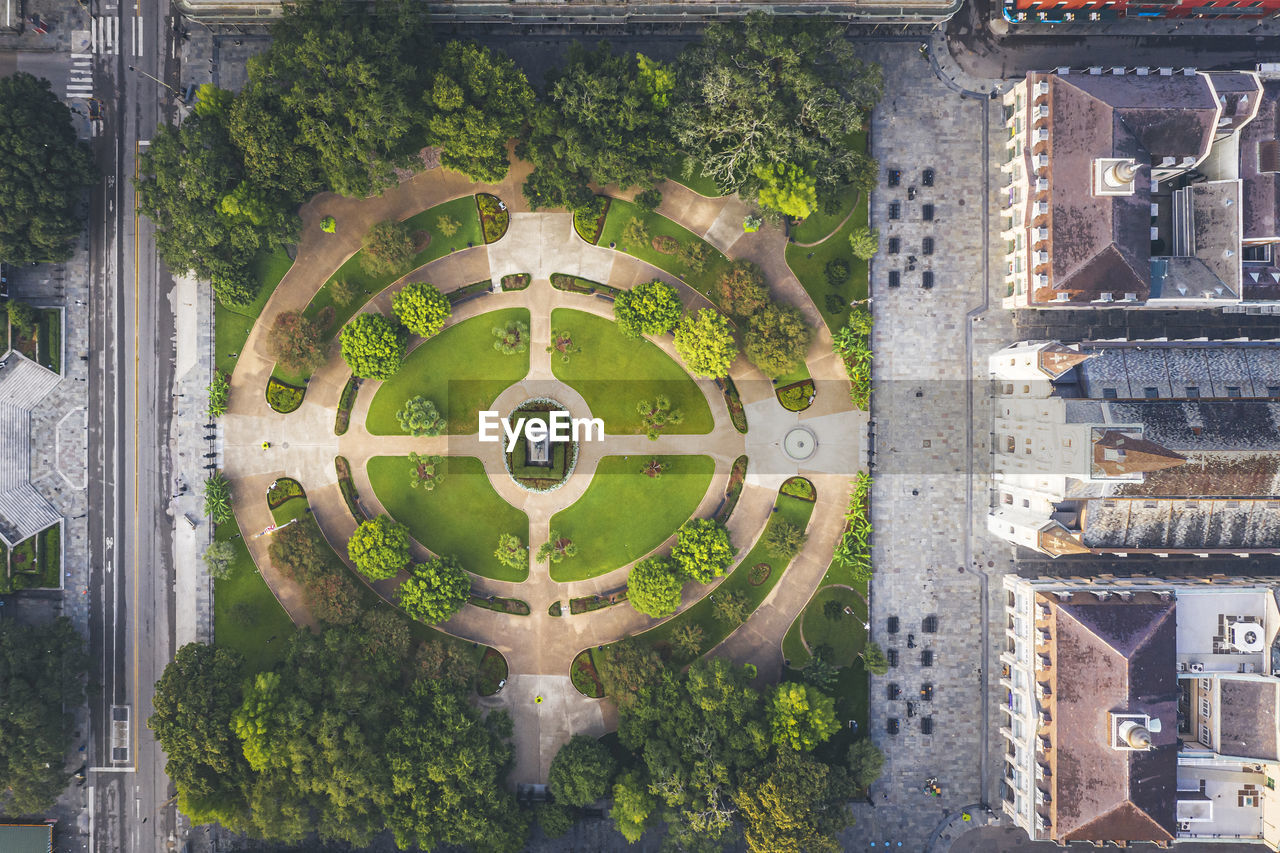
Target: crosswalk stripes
[
  {"x": 80, "y": 78},
  {"x": 104, "y": 35}
]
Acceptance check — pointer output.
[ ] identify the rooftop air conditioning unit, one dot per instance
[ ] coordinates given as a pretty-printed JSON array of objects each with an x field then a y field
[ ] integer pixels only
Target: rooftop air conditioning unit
[
  {"x": 1042, "y": 257},
  {"x": 1042, "y": 134},
  {"x": 1042, "y": 88},
  {"x": 1106, "y": 296},
  {"x": 1195, "y": 666},
  {"x": 1042, "y": 208},
  {"x": 1062, "y": 297},
  {"x": 1184, "y": 826},
  {"x": 1246, "y": 635},
  {"x": 1042, "y": 111},
  {"x": 1042, "y": 161},
  {"x": 1042, "y": 233},
  {"x": 1042, "y": 611},
  {"x": 1131, "y": 297}
]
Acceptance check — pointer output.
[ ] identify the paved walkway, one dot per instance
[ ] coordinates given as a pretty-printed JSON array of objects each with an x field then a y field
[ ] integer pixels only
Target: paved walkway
[{"x": 539, "y": 648}]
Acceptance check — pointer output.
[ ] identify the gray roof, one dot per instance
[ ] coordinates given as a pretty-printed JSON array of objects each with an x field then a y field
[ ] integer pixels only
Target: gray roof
[
  {"x": 23, "y": 511},
  {"x": 1204, "y": 525},
  {"x": 1261, "y": 188},
  {"x": 1215, "y": 231},
  {"x": 1218, "y": 425},
  {"x": 1247, "y": 718},
  {"x": 1173, "y": 367}
]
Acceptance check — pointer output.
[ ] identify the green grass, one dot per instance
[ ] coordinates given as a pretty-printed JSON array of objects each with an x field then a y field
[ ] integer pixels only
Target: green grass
[
  {"x": 462, "y": 517},
  {"x": 788, "y": 509},
  {"x": 810, "y": 270},
  {"x": 458, "y": 370},
  {"x": 232, "y": 324},
  {"x": 621, "y": 212},
  {"x": 461, "y": 210},
  {"x": 49, "y": 339},
  {"x": 818, "y": 224},
  {"x": 245, "y": 613},
  {"x": 695, "y": 181},
  {"x": 798, "y": 374},
  {"x": 844, "y": 635},
  {"x": 625, "y": 514},
  {"x": 615, "y": 373}
]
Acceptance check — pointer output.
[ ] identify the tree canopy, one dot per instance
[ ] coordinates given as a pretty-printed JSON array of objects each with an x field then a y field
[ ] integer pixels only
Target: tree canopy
[
  {"x": 357, "y": 730},
  {"x": 435, "y": 590},
  {"x": 705, "y": 342},
  {"x": 41, "y": 682},
  {"x": 650, "y": 308},
  {"x": 420, "y": 417},
  {"x": 775, "y": 90},
  {"x": 422, "y": 308},
  {"x": 653, "y": 587},
  {"x": 373, "y": 347},
  {"x": 379, "y": 547},
  {"x": 777, "y": 339},
  {"x": 581, "y": 771},
  {"x": 478, "y": 101},
  {"x": 44, "y": 171},
  {"x": 702, "y": 550},
  {"x": 296, "y": 342}
]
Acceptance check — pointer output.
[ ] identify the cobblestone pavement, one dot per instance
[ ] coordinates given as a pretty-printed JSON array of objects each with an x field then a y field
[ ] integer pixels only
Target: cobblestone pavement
[{"x": 929, "y": 449}]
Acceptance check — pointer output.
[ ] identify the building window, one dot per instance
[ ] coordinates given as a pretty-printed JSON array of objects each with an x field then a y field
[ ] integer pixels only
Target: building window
[
  {"x": 1026, "y": 503},
  {"x": 1066, "y": 442},
  {"x": 1206, "y": 709},
  {"x": 895, "y": 245},
  {"x": 895, "y": 210},
  {"x": 926, "y": 213},
  {"x": 1151, "y": 393},
  {"x": 1010, "y": 444},
  {"x": 1233, "y": 390},
  {"x": 1206, "y": 737},
  {"x": 1006, "y": 498},
  {"x": 1193, "y": 392},
  {"x": 1108, "y": 393}
]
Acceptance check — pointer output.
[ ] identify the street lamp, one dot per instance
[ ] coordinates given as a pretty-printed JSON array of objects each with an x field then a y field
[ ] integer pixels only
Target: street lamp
[{"x": 158, "y": 80}]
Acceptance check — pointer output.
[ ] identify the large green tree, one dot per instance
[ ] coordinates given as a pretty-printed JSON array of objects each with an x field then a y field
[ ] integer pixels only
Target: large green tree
[
  {"x": 193, "y": 705},
  {"x": 801, "y": 716},
  {"x": 44, "y": 171},
  {"x": 379, "y": 547},
  {"x": 600, "y": 123},
  {"x": 373, "y": 347},
  {"x": 350, "y": 82},
  {"x": 477, "y": 101},
  {"x": 653, "y": 587},
  {"x": 705, "y": 342},
  {"x": 777, "y": 339},
  {"x": 794, "y": 804},
  {"x": 41, "y": 681},
  {"x": 702, "y": 550},
  {"x": 419, "y": 416},
  {"x": 435, "y": 590},
  {"x": 581, "y": 771},
  {"x": 650, "y": 308},
  {"x": 774, "y": 90},
  {"x": 297, "y": 342},
  {"x": 422, "y": 308}
]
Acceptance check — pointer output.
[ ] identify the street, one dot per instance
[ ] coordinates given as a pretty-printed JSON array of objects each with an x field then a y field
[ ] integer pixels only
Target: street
[{"x": 131, "y": 343}]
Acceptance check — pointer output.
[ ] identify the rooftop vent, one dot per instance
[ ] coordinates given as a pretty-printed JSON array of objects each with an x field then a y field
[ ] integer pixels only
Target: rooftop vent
[{"x": 1246, "y": 635}]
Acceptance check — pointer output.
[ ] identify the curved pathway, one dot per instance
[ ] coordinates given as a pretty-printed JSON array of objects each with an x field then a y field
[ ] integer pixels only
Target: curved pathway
[{"x": 539, "y": 647}]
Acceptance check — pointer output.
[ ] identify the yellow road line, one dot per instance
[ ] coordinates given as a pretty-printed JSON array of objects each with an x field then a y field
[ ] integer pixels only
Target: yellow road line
[{"x": 133, "y": 717}]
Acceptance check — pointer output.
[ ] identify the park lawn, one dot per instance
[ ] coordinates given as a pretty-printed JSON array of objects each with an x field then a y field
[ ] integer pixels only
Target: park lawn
[
  {"x": 625, "y": 514},
  {"x": 809, "y": 263},
  {"x": 245, "y": 613},
  {"x": 232, "y": 323},
  {"x": 458, "y": 370},
  {"x": 49, "y": 339},
  {"x": 788, "y": 509},
  {"x": 799, "y": 373},
  {"x": 695, "y": 180},
  {"x": 460, "y": 210},
  {"x": 291, "y": 509},
  {"x": 844, "y": 635},
  {"x": 621, "y": 212},
  {"x": 462, "y": 517},
  {"x": 614, "y": 373}
]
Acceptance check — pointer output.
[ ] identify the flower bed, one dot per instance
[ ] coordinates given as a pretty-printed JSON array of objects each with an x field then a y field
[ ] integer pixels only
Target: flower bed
[
  {"x": 733, "y": 491},
  {"x": 516, "y": 281},
  {"x": 584, "y": 676},
  {"x": 564, "y": 454},
  {"x": 587, "y": 603},
  {"x": 554, "y": 609},
  {"x": 799, "y": 487},
  {"x": 576, "y": 284},
  {"x": 494, "y": 217},
  {"x": 514, "y": 606},
  {"x": 759, "y": 573},
  {"x": 281, "y": 491},
  {"x": 348, "y": 488},
  {"x": 737, "y": 414},
  {"x": 282, "y": 397},
  {"x": 492, "y": 672},
  {"x": 797, "y": 396},
  {"x": 348, "y": 399}
]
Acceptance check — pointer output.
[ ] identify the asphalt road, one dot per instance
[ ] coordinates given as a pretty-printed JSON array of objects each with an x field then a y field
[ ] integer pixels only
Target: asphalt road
[{"x": 131, "y": 623}]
